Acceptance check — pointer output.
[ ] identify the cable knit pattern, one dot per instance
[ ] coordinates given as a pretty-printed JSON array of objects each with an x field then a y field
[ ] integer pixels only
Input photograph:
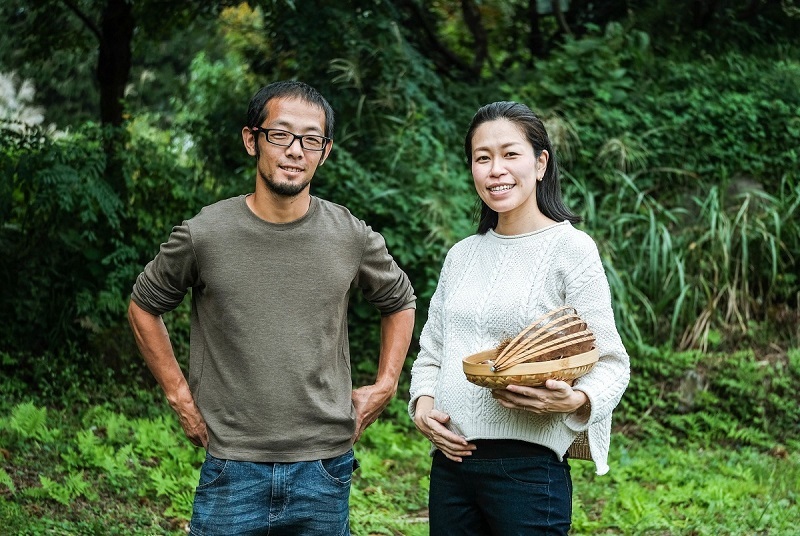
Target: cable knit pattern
[{"x": 490, "y": 288}]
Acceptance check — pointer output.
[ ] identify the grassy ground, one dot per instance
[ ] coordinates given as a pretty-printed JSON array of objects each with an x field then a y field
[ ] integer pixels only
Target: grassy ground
[
  {"x": 652, "y": 488},
  {"x": 99, "y": 471}
]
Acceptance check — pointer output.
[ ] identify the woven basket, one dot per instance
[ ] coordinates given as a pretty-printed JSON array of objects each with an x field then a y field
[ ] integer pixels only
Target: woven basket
[
  {"x": 557, "y": 345},
  {"x": 477, "y": 368},
  {"x": 579, "y": 450},
  {"x": 556, "y": 334}
]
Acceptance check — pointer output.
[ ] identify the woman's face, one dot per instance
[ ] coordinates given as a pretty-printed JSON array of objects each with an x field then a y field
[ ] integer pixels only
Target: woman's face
[{"x": 505, "y": 168}]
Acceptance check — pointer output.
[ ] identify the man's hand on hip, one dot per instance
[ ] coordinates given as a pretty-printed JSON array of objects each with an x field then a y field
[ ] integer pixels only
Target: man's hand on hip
[{"x": 369, "y": 402}]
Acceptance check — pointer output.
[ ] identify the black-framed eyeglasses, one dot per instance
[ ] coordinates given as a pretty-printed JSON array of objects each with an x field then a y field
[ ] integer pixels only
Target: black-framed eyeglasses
[{"x": 284, "y": 138}]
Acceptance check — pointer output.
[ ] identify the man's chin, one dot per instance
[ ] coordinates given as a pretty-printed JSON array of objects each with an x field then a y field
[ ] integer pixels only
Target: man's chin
[{"x": 286, "y": 189}]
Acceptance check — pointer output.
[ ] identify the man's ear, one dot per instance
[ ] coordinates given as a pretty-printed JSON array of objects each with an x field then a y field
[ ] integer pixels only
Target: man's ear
[
  {"x": 249, "y": 140},
  {"x": 328, "y": 150}
]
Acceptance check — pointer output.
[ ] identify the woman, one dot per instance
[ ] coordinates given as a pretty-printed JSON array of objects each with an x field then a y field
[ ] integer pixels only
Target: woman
[{"x": 499, "y": 463}]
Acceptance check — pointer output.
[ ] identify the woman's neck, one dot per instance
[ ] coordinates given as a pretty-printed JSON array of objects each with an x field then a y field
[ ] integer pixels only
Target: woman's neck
[{"x": 516, "y": 224}]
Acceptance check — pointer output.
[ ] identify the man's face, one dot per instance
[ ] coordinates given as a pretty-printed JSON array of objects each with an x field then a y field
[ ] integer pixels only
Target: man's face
[{"x": 287, "y": 171}]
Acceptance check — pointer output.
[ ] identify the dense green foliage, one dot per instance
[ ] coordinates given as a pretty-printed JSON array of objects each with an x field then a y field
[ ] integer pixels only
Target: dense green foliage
[
  {"x": 692, "y": 199},
  {"x": 676, "y": 127},
  {"x": 712, "y": 397}
]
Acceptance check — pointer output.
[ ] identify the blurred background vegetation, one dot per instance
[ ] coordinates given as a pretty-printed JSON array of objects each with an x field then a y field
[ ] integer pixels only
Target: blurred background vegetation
[{"x": 677, "y": 126}]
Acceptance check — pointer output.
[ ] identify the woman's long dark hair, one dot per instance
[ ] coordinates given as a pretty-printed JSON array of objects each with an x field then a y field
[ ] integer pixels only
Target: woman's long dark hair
[{"x": 548, "y": 191}]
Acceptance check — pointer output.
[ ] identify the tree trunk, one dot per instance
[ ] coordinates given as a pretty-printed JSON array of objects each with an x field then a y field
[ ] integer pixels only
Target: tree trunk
[
  {"x": 472, "y": 17},
  {"x": 703, "y": 12},
  {"x": 114, "y": 61},
  {"x": 447, "y": 62},
  {"x": 113, "y": 70},
  {"x": 536, "y": 44}
]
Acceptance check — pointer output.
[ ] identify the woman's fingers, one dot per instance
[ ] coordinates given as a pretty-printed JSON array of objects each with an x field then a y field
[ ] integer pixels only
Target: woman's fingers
[
  {"x": 455, "y": 452},
  {"x": 453, "y": 446},
  {"x": 554, "y": 397}
]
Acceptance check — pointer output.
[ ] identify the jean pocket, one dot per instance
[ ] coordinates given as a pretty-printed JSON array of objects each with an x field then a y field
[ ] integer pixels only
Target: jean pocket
[
  {"x": 340, "y": 468},
  {"x": 533, "y": 471},
  {"x": 212, "y": 471}
]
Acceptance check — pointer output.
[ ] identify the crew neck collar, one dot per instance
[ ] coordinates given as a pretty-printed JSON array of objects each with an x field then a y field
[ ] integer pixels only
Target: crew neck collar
[
  {"x": 312, "y": 208},
  {"x": 494, "y": 234}
]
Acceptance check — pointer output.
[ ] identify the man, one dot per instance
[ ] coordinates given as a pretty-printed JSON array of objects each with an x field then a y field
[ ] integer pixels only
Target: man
[{"x": 269, "y": 393}]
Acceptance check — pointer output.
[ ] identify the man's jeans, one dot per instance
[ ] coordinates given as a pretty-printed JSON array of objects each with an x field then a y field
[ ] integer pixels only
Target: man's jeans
[
  {"x": 293, "y": 499},
  {"x": 500, "y": 497}
]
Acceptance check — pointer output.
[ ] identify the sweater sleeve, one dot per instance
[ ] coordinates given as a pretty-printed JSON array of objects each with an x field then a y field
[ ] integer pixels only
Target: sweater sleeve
[
  {"x": 166, "y": 279},
  {"x": 425, "y": 371},
  {"x": 587, "y": 290},
  {"x": 383, "y": 283}
]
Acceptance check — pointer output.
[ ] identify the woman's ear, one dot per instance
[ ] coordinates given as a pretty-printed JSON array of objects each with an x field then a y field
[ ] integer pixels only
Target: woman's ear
[
  {"x": 249, "y": 140},
  {"x": 541, "y": 164}
]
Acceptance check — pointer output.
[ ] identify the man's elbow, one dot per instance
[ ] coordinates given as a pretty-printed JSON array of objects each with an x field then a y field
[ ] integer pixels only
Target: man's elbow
[{"x": 136, "y": 315}]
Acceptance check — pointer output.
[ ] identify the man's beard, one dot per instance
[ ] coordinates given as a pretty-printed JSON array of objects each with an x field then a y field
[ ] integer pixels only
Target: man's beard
[{"x": 284, "y": 189}]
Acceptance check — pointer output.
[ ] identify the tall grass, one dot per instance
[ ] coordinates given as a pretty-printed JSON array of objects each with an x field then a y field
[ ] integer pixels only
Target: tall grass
[{"x": 683, "y": 266}]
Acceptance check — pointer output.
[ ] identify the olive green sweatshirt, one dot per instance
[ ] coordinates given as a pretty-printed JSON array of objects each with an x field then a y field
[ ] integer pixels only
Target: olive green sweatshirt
[{"x": 269, "y": 364}]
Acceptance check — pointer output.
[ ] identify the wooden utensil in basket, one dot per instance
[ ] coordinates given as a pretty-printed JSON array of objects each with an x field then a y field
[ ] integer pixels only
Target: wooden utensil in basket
[{"x": 556, "y": 345}]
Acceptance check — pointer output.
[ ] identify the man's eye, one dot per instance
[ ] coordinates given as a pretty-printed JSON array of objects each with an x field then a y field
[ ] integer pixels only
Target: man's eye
[{"x": 313, "y": 141}]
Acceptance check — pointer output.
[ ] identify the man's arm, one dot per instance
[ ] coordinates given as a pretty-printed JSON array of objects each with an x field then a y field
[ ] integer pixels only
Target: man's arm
[
  {"x": 370, "y": 400},
  {"x": 153, "y": 341}
]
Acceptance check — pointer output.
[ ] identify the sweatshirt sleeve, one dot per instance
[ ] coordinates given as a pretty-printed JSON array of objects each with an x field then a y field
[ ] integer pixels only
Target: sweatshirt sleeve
[
  {"x": 587, "y": 290},
  {"x": 425, "y": 370},
  {"x": 166, "y": 279},
  {"x": 381, "y": 280}
]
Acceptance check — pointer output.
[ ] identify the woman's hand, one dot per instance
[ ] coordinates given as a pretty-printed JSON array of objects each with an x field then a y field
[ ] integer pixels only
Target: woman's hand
[
  {"x": 554, "y": 396},
  {"x": 433, "y": 425}
]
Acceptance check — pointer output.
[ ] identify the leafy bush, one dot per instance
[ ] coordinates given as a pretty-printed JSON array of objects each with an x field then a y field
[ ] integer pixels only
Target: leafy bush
[
  {"x": 690, "y": 193},
  {"x": 686, "y": 174},
  {"x": 58, "y": 216},
  {"x": 713, "y": 398},
  {"x": 73, "y": 246}
]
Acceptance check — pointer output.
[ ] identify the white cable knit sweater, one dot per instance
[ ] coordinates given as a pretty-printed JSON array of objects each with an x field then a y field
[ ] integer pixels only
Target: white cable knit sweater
[{"x": 490, "y": 288}]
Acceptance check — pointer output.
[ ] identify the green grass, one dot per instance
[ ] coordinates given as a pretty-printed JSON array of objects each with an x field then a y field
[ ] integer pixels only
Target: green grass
[
  {"x": 97, "y": 471},
  {"x": 689, "y": 490}
]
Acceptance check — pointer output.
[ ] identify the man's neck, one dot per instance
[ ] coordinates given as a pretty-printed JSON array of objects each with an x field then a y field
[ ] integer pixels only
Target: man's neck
[{"x": 275, "y": 208}]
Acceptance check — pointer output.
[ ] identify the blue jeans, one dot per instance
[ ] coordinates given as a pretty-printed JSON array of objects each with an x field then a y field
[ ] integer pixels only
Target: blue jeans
[
  {"x": 292, "y": 499},
  {"x": 505, "y": 496}
]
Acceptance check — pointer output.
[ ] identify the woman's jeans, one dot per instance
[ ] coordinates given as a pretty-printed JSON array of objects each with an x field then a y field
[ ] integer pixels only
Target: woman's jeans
[
  {"x": 497, "y": 492},
  {"x": 292, "y": 499}
]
